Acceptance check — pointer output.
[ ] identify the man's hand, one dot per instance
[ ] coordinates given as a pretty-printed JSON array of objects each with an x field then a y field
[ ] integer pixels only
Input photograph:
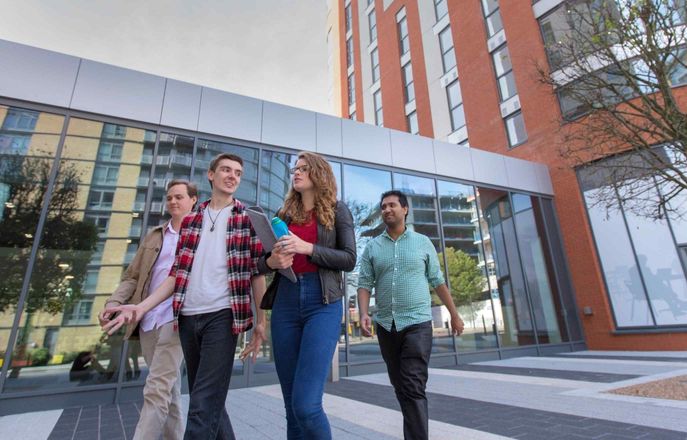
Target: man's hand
[
  {"x": 366, "y": 324},
  {"x": 253, "y": 347},
  {"x": 457, "y": 325},
  {"x": 104, "y": 317},
  {"x": 128, "y": 313}
]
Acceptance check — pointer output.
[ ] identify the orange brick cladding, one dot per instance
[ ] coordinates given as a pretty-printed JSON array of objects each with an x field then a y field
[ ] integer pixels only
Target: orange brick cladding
[{"x": 487, "y": 131}]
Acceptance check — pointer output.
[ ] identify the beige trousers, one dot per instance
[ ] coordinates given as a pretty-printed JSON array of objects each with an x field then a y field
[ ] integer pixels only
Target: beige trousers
[{"x": 161, "y": 414}]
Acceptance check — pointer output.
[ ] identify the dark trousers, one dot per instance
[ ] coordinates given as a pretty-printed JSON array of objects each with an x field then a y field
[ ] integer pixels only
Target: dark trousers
[
  {"x": 406, "y": 354},
  {"x": 209, "y": 347}
]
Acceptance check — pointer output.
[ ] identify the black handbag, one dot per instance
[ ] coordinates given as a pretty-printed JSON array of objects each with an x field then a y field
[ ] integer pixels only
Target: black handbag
[{"x": 270, "y": 294}]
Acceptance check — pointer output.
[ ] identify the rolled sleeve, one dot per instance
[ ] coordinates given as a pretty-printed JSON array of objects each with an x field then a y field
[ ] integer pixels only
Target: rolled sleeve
[
  {"x": 435, "y": 276},
  {"x": 255, "y": 252}
]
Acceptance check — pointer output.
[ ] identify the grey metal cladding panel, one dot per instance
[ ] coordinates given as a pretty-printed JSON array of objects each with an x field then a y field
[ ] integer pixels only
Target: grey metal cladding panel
[
  {"x": 288, "y": 127},
  {"x": 37, "y": 75},
  {"x": 229, "y": 114},
  {"x": 365, "y": 142},
  {"x": 489, "y": 168},
  {"x": 329, "y": 135},
  {"x": 181, "y": 105},
  {"x": 412, "y": 152},
  {"x": 544, "y": 179},
  {"x": 115, "y": 91},
  {"x": 453, "y": 160},
  {"x": 522, "y": 174}
]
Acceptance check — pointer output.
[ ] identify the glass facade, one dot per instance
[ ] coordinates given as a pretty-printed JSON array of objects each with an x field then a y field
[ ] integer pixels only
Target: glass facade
[
  {"x": 78, "y": 193},
  {"x": 643, "y": 259}
]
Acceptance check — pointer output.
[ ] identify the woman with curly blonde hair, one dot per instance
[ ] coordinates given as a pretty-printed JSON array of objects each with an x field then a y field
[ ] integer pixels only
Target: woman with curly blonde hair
[{"x": 306, "y": 315}]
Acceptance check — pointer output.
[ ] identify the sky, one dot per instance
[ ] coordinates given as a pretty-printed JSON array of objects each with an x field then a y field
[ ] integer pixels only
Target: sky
[{"x": 274, "y": 50}]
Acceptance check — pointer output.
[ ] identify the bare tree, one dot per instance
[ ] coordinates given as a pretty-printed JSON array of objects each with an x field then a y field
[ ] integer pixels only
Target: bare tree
[{"x": 615, "y": 65}]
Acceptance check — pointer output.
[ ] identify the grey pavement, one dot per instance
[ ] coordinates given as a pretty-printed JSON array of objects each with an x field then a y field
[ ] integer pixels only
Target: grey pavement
[{"x": 557, "y": 397}]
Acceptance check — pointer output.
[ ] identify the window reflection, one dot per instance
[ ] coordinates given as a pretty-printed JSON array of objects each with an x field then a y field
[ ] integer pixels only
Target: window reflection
[
  {"x": 207, "y": 150},
  {"x": 513, "y": 318},
  {"x": 174, "y": 157},
  {"x": 467, "y": 270},
  {"x": 536, "y": 265},
  {"x": 363, "y": 187},
  {"x": 81, "y": 255},
  {"x": 28, "y": 141}
]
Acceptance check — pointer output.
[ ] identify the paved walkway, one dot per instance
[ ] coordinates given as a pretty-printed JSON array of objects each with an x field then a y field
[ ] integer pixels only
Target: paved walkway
[{"x": 553, "y": 398}]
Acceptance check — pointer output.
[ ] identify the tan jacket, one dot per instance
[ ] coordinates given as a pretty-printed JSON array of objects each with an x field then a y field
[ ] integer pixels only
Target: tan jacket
[{"x": 133, "y": 287}]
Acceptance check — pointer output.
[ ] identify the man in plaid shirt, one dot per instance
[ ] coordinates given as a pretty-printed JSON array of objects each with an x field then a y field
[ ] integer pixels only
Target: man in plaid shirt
[{"x": 214, "y": 272}]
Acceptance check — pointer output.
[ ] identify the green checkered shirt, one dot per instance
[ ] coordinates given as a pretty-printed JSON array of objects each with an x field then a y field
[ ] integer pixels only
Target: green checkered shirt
[{"x": 401, "y": 272}]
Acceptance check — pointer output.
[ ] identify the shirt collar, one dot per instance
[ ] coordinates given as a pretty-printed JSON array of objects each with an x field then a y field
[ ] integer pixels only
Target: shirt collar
[
  {"x": 386, "y": 234},
  {"x": 170, "y": 229}
]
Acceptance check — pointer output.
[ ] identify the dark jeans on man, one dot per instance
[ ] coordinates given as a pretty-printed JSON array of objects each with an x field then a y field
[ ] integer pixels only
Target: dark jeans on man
[
  {"x": 406, "y": 354},
  {"x": 209, "y": 347}
]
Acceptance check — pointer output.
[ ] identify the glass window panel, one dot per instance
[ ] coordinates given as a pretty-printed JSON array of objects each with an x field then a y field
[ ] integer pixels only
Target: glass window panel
[
  {"x": 275, "y": 179},
  {"x": 174, "y": 157},
  {"x": 441, "y": 8},
  {"x": 413, "y": 127},
  {"x": 80, "y": 261},
  {"x": 559, "y": 261},
  {"x": 457, "y": 117},
  {"x": 467, "y": 270},
  {"x": 490, "y": 6},
  {"x": 623, "y": 280},
  {"x": 351, "y": 89},
  {"x": 348, "y": 17},
  {"x": 507, "y": 86},
  {"x": 404, "y": 40},
  {"x": 372, "y": 19},
  {"x": 207, "y": 150},
  {"x": 511, "y": 305},
  {"x": 660, "y": 266},
  {"x": 23, "y": 182},
  {"x": 349, "y": 52},
  {"x": 362, "y": 189},
  {"x": 536, "y": 263},
  {"x": 445, "y": 39},
  {"x": 377, "y": 99},
  {"x": 494, "y": 23},
  {"x": 515, "y": 126},
  {"x": 454, "y": 95},
  {"x": 449, "y": 60},
  {"x": 375, "y": 65},
  {"x": 502, "y": 62}
]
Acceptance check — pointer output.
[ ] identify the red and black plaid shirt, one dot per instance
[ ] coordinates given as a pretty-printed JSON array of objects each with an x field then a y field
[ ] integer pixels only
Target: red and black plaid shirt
[{"x": 243, "y": 250}]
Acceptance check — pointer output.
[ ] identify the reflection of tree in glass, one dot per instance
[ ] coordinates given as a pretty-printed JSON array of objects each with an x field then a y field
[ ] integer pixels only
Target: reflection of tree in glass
[
  {"x": 366, "y": 223},
  {"x": 466, "y": 278},
  {"x": 66, "y": 244}
]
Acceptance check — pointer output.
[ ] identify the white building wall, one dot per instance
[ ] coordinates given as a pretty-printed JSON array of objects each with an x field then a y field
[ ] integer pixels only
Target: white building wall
[{"x": 243, "y": 118}]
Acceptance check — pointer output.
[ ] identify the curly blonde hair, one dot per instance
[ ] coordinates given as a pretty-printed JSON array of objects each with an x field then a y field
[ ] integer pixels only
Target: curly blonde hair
[{"x": 324, "y": 182}]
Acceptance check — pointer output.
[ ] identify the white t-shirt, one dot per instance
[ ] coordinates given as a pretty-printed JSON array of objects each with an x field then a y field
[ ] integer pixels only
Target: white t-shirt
[{"x": 208, "y": 286}]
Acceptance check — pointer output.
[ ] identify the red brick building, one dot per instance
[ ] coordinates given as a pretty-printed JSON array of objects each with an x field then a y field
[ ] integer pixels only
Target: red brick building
[{"x": 465, "y": 71}]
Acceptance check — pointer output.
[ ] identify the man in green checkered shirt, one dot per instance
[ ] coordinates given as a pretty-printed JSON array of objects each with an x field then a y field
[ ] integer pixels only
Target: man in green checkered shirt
[{"x": 401, "y": 265}]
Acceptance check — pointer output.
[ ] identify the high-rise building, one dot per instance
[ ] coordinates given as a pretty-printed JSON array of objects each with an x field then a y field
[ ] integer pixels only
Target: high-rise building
[{"x": 467, "y": 72}]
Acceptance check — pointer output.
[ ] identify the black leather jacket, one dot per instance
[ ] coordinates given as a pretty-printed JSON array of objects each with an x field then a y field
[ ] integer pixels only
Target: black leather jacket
[{"x": 333, "y": 253}]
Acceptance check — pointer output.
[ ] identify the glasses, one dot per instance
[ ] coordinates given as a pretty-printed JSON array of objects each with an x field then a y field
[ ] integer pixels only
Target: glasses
[{"x": 303, "y": 169}]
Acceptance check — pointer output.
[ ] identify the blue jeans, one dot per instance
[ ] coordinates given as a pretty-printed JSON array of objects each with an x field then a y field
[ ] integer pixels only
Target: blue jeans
[
  {"x": 304, "y": 336},
  {"x": 209, "y": 346}
]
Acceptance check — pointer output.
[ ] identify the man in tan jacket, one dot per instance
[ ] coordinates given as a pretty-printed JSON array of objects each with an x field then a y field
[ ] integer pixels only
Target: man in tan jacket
[{"x": 161, "y": 413}]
